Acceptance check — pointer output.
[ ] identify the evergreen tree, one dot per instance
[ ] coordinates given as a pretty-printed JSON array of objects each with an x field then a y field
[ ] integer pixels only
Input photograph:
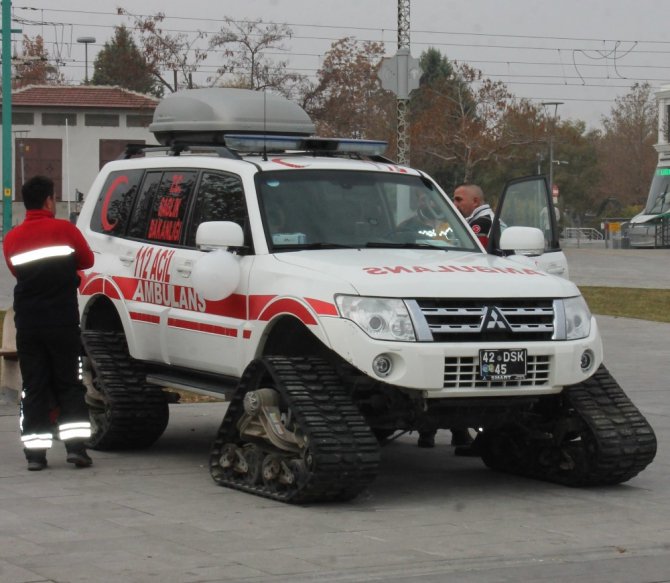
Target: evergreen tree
[{"x": 121, "y": 63}]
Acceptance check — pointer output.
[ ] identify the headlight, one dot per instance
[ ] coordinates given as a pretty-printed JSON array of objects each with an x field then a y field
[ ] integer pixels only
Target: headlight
[
  {"x": 573, "y": 319},
  {"x": 379, "y": 318}
]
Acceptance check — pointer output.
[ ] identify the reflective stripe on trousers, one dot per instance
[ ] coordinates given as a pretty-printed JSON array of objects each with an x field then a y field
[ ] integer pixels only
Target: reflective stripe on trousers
[{"x": 77, "y": 430}]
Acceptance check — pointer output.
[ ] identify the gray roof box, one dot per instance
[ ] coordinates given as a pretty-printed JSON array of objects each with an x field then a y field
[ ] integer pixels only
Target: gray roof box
[{"x": 206, "y": 115}]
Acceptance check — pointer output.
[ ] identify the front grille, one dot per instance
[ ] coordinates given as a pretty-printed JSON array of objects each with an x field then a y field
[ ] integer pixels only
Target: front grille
[
  {"x": 463, "y": 373},
  {"x": 486, "y": 320}
]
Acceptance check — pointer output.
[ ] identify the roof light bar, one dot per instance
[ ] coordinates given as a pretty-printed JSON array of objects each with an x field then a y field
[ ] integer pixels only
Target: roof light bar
[{"x": 278, "y": 143}]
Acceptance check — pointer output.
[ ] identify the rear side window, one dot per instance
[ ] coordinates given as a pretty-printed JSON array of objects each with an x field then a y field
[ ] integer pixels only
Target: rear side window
[
  {"x": 161, "y": 206},
  {"x": 112, "y": 211},
  {"x": 220, "y": 197}
]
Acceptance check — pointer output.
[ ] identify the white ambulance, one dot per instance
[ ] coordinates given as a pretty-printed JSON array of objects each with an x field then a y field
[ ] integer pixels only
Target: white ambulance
[{"x": 335, "y": 298}]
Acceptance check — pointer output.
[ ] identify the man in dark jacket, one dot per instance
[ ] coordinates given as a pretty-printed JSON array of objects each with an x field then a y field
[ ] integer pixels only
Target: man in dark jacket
[
  {"x": 44, "y": 254},
  {"x": 469, "y": 200}
]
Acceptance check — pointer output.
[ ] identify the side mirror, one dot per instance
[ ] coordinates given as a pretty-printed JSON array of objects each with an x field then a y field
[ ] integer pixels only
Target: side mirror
[
  {"x": 522, "y": 240},
  {"x": 219, "y": 235}
]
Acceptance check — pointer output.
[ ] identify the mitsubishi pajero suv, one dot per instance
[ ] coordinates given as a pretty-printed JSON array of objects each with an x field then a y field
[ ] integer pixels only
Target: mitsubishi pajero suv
[{"x": 334, "y": 298}]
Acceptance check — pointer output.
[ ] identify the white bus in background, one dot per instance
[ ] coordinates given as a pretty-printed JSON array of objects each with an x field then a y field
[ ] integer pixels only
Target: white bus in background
[
  {"x": 646, "y": 228},
  {"x": 650, "y": 227}
]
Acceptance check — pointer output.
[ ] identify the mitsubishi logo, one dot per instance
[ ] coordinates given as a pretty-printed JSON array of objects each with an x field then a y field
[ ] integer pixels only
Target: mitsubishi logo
[{"x": 494, "y": 320}]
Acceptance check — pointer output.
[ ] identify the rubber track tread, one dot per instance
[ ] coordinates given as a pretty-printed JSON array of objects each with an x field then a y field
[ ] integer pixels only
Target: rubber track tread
[
  {"x": 344, "y": 451},
  {"x": 136, "y": 412},
  {"x": 617, "y": 442},
  {"x": 625, "y": 442}
]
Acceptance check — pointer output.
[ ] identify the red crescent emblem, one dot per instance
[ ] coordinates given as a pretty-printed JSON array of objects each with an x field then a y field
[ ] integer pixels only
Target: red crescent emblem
[{"x": 106, "y": 225}]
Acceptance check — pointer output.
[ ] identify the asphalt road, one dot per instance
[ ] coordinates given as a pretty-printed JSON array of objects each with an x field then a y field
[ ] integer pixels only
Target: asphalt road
[{"x": 156, "y": 515}]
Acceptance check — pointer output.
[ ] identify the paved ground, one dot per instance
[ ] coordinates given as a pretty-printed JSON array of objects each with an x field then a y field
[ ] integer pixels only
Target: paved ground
[
  {"x": 156, "y": 516},
  {"x": 648, "y": 268}
]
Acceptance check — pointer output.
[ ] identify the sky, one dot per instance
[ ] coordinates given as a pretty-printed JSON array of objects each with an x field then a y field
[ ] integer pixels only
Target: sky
[{"x": 582, "y": 53}]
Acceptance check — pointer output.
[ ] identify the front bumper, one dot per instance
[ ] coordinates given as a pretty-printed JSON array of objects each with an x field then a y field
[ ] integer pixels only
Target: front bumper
[{"x": 444, "y": 370}]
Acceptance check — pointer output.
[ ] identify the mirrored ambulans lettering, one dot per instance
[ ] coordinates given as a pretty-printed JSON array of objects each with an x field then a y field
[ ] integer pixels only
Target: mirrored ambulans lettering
[
  {"x": 393, "y": 270},
  {"x": 152, "y": 273}
]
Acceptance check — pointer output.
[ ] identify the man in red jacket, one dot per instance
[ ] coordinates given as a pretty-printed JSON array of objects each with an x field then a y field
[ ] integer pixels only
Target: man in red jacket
[{"x": 44, "y": 254}]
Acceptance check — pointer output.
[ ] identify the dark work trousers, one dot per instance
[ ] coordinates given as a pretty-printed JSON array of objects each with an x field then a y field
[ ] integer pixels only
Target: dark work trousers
[{"x": 49, "y": 359}]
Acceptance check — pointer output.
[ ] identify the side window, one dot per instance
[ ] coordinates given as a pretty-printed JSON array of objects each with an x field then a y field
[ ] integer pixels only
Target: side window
[
  {"x": 220, "y": 197},
  {"x": 112, "y": 211},
  {"x": 140, "y": 217},
  {"x": 161, "y": 207},
  {"x": 527, "y": 203}
]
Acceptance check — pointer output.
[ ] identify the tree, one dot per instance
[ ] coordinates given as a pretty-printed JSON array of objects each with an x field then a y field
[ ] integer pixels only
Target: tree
[
  {"x": 164, "y": 52},
  {"x": 244, "y": 44},
  {"x": 121, "y": 63},
  {"x": 34, "y": 67},
  {"x": 626, "y": 153},
  {"x": 435, "y": 67},
  {"x": 464, "y": 125},
  {"x": 348, "y": 99}
]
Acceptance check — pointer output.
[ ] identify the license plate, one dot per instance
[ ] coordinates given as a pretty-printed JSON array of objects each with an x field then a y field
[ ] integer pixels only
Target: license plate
[{"x": 503, "y": 364}]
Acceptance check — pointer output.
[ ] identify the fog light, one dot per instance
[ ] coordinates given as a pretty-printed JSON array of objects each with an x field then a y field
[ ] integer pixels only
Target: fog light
[
  {"x": 382, "y": 365},
  {"x": 586, "y": 361}
]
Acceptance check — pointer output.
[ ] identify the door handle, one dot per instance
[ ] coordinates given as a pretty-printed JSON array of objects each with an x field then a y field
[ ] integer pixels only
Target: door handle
[
  {"x": 184, "y": 269},
  {"x": 127, "y": 259}
]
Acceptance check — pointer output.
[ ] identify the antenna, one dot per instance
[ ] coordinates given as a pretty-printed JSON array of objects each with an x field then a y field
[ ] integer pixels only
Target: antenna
[{"x": 265, "y": 114}]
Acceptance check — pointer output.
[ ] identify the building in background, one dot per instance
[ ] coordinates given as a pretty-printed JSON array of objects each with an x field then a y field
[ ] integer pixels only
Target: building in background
[{"x": 69, "y": 132}]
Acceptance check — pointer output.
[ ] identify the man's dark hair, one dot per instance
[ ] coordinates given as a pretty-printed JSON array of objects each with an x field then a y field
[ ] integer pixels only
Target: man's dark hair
[{"x": 36, "y": 190}]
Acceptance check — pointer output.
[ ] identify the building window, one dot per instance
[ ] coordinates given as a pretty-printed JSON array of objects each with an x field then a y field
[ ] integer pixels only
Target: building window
[
  {"x": 666, "y": 121},
  {"x": 102, "y": 119},
  {"x": 138, "y": 121},
  {"x": 59, "y": 119},
  {"x": 23, "y": 118}
]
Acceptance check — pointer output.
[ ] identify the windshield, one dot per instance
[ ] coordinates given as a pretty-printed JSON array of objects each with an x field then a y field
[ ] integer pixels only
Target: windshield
[
  {"x": 342, "y": 208},
  {"x": 659, "y": 194}
]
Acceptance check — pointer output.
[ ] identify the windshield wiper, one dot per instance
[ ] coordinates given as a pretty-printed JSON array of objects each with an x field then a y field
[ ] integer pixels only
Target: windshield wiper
[
  {"x": 303, "y": 246},
  {"x": 380, "y": 245}
]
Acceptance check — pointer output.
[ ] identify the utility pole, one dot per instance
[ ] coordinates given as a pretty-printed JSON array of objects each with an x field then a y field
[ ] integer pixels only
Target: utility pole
[
  {"x": 86, "y": 40},
  {"x": 403, "y": 100},
  {"x": 7, "y": 115},
  {"x": 552, "y": 126},
  {"x": 400, "y": 74}
]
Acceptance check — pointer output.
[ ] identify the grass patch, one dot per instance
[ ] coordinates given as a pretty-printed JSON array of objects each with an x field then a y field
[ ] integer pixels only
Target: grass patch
[{"x": 627, "y": 302}]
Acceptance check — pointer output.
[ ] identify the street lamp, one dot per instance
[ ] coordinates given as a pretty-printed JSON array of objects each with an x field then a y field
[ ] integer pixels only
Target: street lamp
[
  {"x": 86, "y": 40},
  {"x": 551, "y": 140}
]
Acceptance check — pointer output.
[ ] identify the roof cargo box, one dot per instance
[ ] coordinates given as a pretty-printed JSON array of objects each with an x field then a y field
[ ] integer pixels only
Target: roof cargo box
[{"x": 206, "y": 115}]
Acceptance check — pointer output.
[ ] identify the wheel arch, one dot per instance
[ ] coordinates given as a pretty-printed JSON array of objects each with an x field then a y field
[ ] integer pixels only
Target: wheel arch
[
  {"x": 289, "y": 336},
  {"x": 102, "y": 313}
]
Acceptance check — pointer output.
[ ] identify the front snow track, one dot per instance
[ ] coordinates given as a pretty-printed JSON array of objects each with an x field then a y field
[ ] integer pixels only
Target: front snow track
[
  {"x": 132, "y": 413},
  {"x": 597, "y": 438},
  {"x": 337, "y": 456}
]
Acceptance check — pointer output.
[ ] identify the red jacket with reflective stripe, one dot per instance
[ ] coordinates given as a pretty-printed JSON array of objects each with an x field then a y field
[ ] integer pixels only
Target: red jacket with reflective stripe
[{"x": 44, "y": 253}]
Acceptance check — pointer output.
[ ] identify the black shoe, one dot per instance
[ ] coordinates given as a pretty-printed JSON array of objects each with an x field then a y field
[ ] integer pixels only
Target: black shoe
[
  {"x": 426, "y": 439},
  {"x": 37, "y": 465},
  {"x": 79, "y": 458},
  {"x": 36, "y": 458},
  {"x": 460, "y": 437}
]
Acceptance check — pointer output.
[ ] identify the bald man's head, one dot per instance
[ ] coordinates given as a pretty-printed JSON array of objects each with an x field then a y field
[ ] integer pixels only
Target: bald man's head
[{"x": 467, "y": 197}]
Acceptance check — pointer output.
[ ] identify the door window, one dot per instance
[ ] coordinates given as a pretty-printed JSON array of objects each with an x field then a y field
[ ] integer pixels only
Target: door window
[
  {"x": 527, "y": 203},
  {"x": 220, "y": 197},
  {"x": 161, "y": 206}
]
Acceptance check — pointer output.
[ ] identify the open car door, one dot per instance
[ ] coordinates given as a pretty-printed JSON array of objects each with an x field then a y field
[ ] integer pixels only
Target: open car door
[{"x": 527, "y": 202}]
